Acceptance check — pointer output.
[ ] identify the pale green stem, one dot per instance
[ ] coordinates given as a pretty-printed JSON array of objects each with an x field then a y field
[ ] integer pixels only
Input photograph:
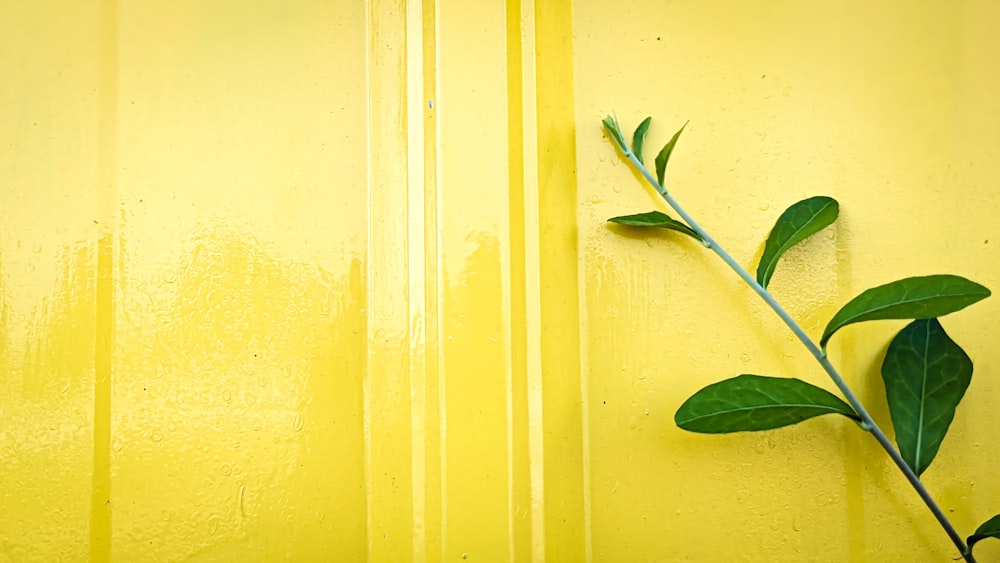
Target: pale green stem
[{"x": 867, "y": 423}]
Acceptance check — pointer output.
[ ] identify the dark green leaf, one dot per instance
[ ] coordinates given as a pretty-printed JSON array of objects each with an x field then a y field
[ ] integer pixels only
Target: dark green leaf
[
  {"x": 756, "y": 402},
  {"x": 655, "y": 219},
  {"x": 664, "y": 156},
  {"x": 796, "y": 224},
  {"x": 909, "y": 298},
  {"x": 615, "y": 132},
  {"x": 639, "y": 137},
  {"x": 989, "y": 529},
  {"x": 926, "y": 374}
]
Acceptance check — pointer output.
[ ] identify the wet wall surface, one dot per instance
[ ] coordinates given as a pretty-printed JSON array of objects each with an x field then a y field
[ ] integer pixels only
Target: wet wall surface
[{"x": 316, "y": 281}]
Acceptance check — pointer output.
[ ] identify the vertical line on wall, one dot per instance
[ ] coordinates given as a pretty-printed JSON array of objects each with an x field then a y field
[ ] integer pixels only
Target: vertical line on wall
[
  {"x": 416, "y": 261},
  {"x": 532, "y": 280},
  {"x": 559, "y": 295},
  {"x": 366, "y": 382},
  {"x": 387, "y": 402},
  {"x": 584, "y": 370},
  {"x": 519, "y": 493},
  {"x": 434, "y": 440},
  {"x": 100, "y": 500},
  {"x": 588, "y": 544},
  {"x": 440, "y": 289}
]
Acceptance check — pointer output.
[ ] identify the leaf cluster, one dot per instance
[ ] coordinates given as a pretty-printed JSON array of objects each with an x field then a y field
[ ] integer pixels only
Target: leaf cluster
[{"x": 924, "y": 371}]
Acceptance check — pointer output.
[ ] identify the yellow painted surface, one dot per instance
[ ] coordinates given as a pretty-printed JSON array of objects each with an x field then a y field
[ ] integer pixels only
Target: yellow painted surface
[{"x": 330, "y": 281}]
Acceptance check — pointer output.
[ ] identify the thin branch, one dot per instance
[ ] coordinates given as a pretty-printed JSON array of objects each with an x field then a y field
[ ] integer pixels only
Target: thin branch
[{"x": 867, "y": 423}]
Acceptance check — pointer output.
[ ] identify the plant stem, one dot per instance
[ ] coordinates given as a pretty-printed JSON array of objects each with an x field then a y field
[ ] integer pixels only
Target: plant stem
[{"x": 867, "y": 422}]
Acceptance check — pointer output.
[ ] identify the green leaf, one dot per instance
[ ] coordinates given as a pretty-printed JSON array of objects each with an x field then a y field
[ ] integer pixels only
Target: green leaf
[
  {"x": 926, "y": 374},
  {"x": 989, "y": 529},
  {"x": 655, "y": 219},
  {"x": 797, "y": 223},
  {"x": 909, "y": 298},
  {"x": 615, "y": 132},
  {"x": 755, "y": 402},
  {"x": 639, "y": 137},
  {"x": 664, "y": 156}
]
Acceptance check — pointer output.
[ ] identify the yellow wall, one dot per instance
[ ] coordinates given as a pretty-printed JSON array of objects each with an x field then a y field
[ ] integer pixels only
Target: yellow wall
[{"x": 330, "y": 281}]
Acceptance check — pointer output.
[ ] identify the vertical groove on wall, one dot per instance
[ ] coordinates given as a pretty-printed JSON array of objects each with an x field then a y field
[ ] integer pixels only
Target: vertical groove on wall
[
  {"x": 438, "y": 274},
  {"x": 417, "y": 205},
  {"x": 518, "y": 439},
  {"x": 433, "y": 438},
  {"x": 100, "y": 500},
  {"x": 559, "y": 293},
  {"x": 387, "y": 419},
  {"x": 532, "y": 281}
]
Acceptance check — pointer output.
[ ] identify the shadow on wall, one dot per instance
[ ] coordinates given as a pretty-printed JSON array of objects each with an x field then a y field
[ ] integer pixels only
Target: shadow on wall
[
  {"x": 240, "y": 393},
  {"x": 59, "y": 351},
  {"x": 237, "y": 407},
  {"x": 46, "y": 413}
]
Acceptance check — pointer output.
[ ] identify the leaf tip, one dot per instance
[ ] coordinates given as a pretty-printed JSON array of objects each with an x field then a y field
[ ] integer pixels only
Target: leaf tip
[{"x": 613, "y": 129}]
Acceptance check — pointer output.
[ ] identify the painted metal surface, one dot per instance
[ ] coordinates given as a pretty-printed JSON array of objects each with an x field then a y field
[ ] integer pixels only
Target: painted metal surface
[{"x": 330, "y": 281}]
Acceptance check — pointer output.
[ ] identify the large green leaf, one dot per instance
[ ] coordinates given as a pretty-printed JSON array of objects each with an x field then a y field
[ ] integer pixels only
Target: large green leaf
[
  {"x": 926, "y": 374},
  {"x": 755, "y": 402},
  {"x": 989, "y": 529},
  {"x": 664, "y": 156},
  {"x": 910, "y": 298},
  {"x": 655, "y": 219},
  {"x": 639, "y": 138},
  {"x": 796, "y": 224}
]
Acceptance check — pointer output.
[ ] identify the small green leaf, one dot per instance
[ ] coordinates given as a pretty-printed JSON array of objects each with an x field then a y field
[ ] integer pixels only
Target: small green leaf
[
  {"x": 926, "y": 374},
  {"x": 909, "y": 298},
  {"x": 755, "y": 402},
  {"x": 664, "y": 156},
  {"x": 989, "y": 529},
  {"x": 655, "y": 219},
  {"x": 797, "y": 223},
  {"x": 639, "y": 137},
  {"x": 615, "y": 132}
]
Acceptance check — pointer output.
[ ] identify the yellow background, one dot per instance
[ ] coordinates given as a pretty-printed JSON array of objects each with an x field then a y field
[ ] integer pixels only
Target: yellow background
[{"x": 330, "y": 281}]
